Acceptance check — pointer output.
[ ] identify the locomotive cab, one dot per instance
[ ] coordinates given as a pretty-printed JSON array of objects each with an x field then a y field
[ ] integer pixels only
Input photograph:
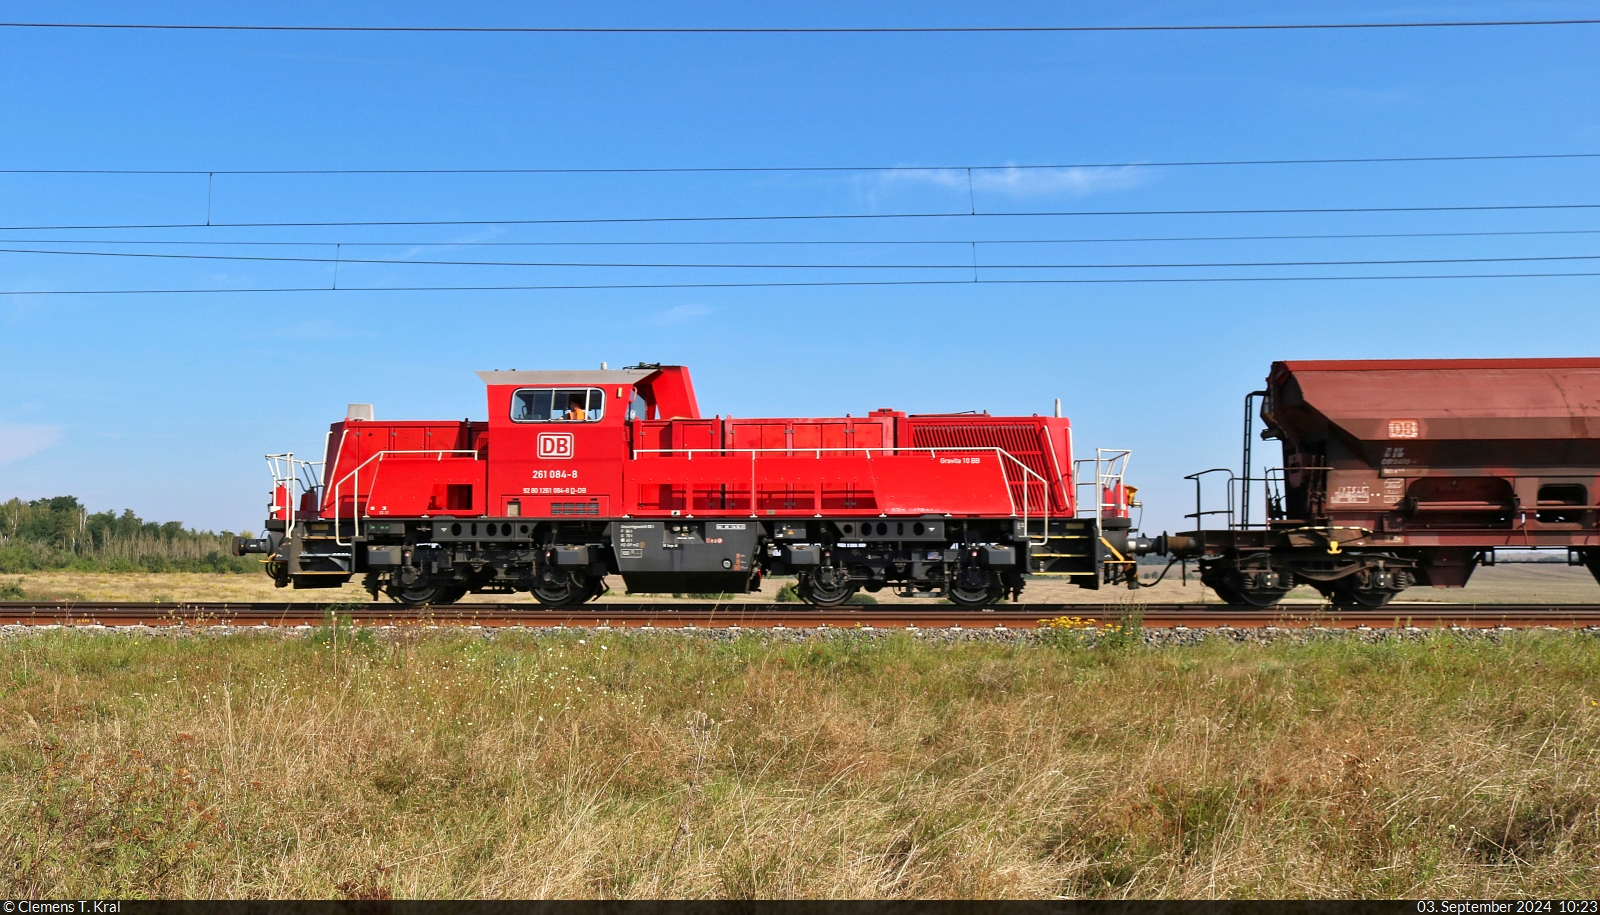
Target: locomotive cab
[{"x": 561, "y": 439}]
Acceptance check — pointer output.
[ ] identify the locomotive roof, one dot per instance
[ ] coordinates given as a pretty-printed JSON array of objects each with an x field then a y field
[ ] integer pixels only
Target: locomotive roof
[{"x": 566, "y": 376}]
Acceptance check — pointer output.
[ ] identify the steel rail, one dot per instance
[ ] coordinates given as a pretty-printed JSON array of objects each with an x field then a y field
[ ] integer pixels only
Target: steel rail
[{"x": 741, "y": 615}]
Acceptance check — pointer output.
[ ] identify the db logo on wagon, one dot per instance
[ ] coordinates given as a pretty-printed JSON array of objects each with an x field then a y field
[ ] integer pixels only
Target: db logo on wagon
[
  {"x": 1404, "y": 428},
  {"x": 555, "y": 445}
]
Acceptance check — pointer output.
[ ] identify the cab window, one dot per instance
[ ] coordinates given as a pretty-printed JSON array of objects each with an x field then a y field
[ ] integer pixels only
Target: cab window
[{"x": 558, "y": 405}]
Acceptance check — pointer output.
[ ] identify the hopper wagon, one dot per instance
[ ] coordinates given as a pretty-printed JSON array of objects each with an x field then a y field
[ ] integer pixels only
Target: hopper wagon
[{"x": 1403, "y": 473}]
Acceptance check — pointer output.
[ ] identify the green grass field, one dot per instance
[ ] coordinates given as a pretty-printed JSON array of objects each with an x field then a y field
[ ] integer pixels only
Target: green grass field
[{"x": 615, "y": 764}]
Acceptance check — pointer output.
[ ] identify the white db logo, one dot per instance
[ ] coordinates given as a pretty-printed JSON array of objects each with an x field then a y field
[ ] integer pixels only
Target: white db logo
[
  {"x": 555, "y": 444},
  {"x": 1404, "y": 428}
]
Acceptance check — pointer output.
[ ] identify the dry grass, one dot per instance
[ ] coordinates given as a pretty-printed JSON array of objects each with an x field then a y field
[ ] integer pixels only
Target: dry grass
[
  {"x": 164, "y": 587},
  {"x": 614, "y": 764}
]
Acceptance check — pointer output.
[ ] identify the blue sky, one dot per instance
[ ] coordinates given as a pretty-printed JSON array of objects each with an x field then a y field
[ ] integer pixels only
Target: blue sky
[{"x": 165, "y": 402}]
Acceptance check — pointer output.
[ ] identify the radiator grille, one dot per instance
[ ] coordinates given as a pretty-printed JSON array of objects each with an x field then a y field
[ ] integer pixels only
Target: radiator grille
[
  {"x": 1023, "y": 441},
  {"x": 574, "y": 508}
]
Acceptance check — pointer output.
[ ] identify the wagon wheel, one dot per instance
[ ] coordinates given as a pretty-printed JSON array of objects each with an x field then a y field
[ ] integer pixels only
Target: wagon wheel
[
  {"x": 1256, "y": 598},
  {"x": 974, "y": 588},
  {"x": 1230, "y": 586},
  {"x": 1356, "y": 598},
  {"x": 1355, "y": 592},
  {"x": 832, "y": 592}
]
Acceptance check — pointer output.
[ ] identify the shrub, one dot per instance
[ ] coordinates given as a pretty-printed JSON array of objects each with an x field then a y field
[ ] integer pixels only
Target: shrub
[{"x": 1126, "y": 634}]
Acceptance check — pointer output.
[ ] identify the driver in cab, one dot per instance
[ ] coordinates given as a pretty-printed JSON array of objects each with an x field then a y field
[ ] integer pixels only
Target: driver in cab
[{"x": 575, "y": 411}]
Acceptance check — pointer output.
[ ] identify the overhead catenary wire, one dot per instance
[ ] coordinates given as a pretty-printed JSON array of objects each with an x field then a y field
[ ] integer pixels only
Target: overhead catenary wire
[
  {"x": 632, "y": 220},
  {"x": 713, "y": 169},
  {"x": 338, "y": 261},
  {"x": 799, "y": 242},
  {"x": 801, "y": 284},
  {"x": 971, "y": 213},
  {"x": 797, "y": 30}
]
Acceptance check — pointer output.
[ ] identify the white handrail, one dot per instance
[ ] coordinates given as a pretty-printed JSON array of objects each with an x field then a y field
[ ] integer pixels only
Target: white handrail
[
  {"x": 931, "y": 450},
  {"x": 1107, "y": 469},
  {"x": 286, "y": 472},
  {"x": 1000, "y": 453},
  {"x": 356, "y": 487}
]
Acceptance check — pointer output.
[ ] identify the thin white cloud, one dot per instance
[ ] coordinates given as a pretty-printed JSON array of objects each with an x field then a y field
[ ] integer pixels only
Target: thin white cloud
[
  {"x": 20, "y": 440},
  {"x": 1027, "y": 182},
  {"x": 682, "y": 314},
  {"x": 1077, "y": 181},
  {"x": 491, "y": 233}
]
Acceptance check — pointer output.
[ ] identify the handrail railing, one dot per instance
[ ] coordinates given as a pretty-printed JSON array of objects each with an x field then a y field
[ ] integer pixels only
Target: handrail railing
[
  {"x": 931, "y": 450},
  {"x": 1270, "y": 479},
  {"x": 1004, "y": 457},
  {"x": 1199, "y": 512},
  {"x": 355, "y": 500},
  {"x": 1110, "y": 466},
  {"x": 294, "y": 477}
]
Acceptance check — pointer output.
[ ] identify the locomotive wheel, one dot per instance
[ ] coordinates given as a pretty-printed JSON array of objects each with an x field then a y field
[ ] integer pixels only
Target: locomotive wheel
[
  {"x": 830, "y": 593},
  {"x": 973, "y": 588},
  {"x": 559, "y": 593},
  {"x": 426, "y": 593},
  {"x": 966, "y": 598}
]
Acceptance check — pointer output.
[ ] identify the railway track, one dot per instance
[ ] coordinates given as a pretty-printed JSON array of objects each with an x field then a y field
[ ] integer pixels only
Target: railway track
[{"x": 760, "y": 616}]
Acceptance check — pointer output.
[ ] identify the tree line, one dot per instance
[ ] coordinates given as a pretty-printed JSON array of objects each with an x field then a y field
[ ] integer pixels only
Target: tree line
[{"x": 61, "y": 533}]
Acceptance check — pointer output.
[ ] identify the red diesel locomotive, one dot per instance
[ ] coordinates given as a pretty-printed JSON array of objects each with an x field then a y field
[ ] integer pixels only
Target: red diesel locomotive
[{"x": 578, "y": 475}]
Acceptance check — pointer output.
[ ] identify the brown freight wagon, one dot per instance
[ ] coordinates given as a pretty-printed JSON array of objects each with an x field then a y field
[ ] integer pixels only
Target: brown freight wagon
[{"x": 1406, "y": 472}]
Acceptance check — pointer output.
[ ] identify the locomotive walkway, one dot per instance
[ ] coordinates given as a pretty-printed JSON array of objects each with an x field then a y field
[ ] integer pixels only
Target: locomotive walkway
[{"x": 764, "y": 616}]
